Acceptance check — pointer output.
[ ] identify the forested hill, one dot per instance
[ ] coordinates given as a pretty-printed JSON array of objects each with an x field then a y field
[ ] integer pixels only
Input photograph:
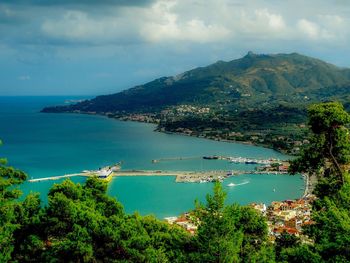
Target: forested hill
[
  {"x": 260, "y": 99},
  {"x": 253, "y": 81}
]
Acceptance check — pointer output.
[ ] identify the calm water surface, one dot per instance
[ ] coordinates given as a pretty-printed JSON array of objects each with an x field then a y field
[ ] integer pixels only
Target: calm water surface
[{"x": 54, "y": 144}]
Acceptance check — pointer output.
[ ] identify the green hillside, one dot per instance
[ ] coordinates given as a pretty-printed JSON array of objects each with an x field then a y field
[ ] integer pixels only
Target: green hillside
[
  {"x": 267, "y": 79},
  {"x": 257, "y": 95}
]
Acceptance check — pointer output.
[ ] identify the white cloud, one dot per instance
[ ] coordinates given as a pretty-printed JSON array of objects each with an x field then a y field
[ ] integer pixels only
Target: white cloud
[
  {"x": 273, "y": 21},
  {"x": 260, "y": 24},
  {"x": 79, "y": 26},
  {"x": 155, "y": 24},
  {"x": 161, "y": 37},
  {"x": 324, "y": 27},
  {"x": 176, "y": 21},
  {"x": 194, "y": 30},
  {"x": 163, "y": 24},
  {"x": 309, "y": 28}
]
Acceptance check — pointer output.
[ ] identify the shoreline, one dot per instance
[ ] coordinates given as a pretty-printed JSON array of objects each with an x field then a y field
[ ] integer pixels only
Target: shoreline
[
  {"x": 310, "y": 183},
  {"x": 308, "y": 186},
  {"x": 266, "y": 146},
  {"x": 219, "y": 140}
]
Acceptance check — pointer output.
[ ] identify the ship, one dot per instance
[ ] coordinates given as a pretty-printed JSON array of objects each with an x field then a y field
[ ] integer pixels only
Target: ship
[
  {"x": 251, "y": 162},
  {"x": 211, "y": 157}
]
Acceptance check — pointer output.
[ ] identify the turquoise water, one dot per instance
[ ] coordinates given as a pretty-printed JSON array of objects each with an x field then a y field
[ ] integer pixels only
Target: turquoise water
[
  {"x": 164, "y": 197},
  {"x": 54, "y": 144}
]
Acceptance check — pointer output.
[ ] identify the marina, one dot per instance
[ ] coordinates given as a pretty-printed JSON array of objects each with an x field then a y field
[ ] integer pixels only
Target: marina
[{"x": 231, "y": 159}]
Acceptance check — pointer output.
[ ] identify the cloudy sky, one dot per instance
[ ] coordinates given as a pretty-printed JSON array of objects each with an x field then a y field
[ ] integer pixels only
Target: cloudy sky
[{"x": 89, "y": 47}]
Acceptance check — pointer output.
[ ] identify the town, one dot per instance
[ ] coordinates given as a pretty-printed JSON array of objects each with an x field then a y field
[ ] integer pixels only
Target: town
[
  {"x": 288, "y": 216},
  {"x": 220, "y": 125}
]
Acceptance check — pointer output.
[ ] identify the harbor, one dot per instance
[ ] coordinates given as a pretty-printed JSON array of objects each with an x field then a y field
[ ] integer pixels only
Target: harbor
[
  {"x": 106, "y": 173},
  {"x": 181, "y": 176},
  {"x": 231, "y": 159},
  {"x": 107, "y": 141}
]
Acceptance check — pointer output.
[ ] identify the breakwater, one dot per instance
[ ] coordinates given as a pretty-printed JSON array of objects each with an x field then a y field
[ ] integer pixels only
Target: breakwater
[{"x": 181, "y": 176}]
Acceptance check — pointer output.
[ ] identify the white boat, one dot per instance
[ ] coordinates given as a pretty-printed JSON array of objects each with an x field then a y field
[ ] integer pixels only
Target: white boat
[{"x": 231, "y": 184}]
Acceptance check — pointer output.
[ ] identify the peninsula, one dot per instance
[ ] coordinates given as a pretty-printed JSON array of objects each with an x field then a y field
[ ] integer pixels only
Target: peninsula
[{"x": 259, "y": 99}]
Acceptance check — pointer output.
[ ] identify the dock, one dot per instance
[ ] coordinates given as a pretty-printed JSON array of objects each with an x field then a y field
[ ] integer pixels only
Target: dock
[
  {"x": 56, "y": 177},
  {"x": 231, "y": 159},
  {"x": 181, "y": 176},
  {"x": 106, "y": 173},
  {"x": 175, "y": 159}
]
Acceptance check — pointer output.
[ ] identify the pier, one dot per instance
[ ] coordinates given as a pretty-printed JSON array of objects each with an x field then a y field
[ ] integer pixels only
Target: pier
[
  {"x": 231, "y": 159},
  {"x": 56, "y": 177},
  {"x": 106, "y": 173},
  {"x": 181, "y": 176},
  {"x": 175, "y": 159}
]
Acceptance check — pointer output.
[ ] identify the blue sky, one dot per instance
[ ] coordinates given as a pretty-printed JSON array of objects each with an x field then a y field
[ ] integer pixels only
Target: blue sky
[{"x": 63, "y": 47}]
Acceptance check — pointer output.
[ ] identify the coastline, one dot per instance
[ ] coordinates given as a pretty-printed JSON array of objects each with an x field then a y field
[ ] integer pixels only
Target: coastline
[
  {"x": 253, "y": 143},
  {"x": 266, "y": 146},
  {"x": 310, "y": 183},
  {"x": 308, "y": 186}
]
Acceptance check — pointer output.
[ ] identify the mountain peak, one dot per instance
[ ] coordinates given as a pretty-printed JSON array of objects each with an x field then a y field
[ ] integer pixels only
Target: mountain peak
[
  {"x": 250, "y": 54},
  {"x": 256, "y": 80}
]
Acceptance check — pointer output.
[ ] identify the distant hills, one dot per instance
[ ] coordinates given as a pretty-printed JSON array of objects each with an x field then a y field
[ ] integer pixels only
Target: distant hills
[
  {"x": 256, "y": 81},
  {"x": 256, "y": 93}
]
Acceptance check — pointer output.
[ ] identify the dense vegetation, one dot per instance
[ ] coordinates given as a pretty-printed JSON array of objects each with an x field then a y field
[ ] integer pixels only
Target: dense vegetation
[
  {"x": 82, "y": 224},
  {"x": 257, "y": 95}
]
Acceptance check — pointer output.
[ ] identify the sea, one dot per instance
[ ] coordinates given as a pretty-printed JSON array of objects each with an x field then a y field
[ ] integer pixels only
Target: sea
[{"x": 48, "y": 144}]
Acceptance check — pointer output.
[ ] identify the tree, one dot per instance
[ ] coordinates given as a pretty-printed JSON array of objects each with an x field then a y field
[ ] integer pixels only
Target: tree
[
  {"x": 332, "y": 229},
  {"x": 285, "y": 240},
  {"x": 300, "y": 254},
  {"x": 329, "y": 148},
  {"x": 328, "y": 154},
  {"x": 9, "y": 216},
  {"x": 229, "y": 233}
]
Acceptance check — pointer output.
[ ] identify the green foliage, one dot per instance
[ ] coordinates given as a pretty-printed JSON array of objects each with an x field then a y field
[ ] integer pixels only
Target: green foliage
[
  {"x": 300, "y": 254},
  {"x": 328, "y": 155},
  {"x": 324, "y": 117},
  {"x": 285, "y": 241},
  {"x": 329, "y": 147},
  {"x": 332, "y": 229},
  {"x": 11, "y": 213},
  {"x": 228, "y": 233},
  {"x": 81, "y": 223}
]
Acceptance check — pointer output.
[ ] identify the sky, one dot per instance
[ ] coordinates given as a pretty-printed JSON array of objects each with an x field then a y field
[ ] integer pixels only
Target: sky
[{"x": 93, "y": 47}]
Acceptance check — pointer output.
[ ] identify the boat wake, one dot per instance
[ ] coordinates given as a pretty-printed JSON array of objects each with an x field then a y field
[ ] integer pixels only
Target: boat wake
[{"x": 243, "y": 183}]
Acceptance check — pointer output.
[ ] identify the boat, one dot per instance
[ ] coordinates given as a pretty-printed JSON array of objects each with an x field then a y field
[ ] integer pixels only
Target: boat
[
  {"x": 231, "y": 184},
  {"x": 251, "y": 162},
  {"x": 211, "y": 157}
]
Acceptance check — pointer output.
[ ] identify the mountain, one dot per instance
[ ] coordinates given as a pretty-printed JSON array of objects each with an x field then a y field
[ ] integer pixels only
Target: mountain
[
  {"x": 258, "y": 95},
  {"x": 263, "y": 79}
]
